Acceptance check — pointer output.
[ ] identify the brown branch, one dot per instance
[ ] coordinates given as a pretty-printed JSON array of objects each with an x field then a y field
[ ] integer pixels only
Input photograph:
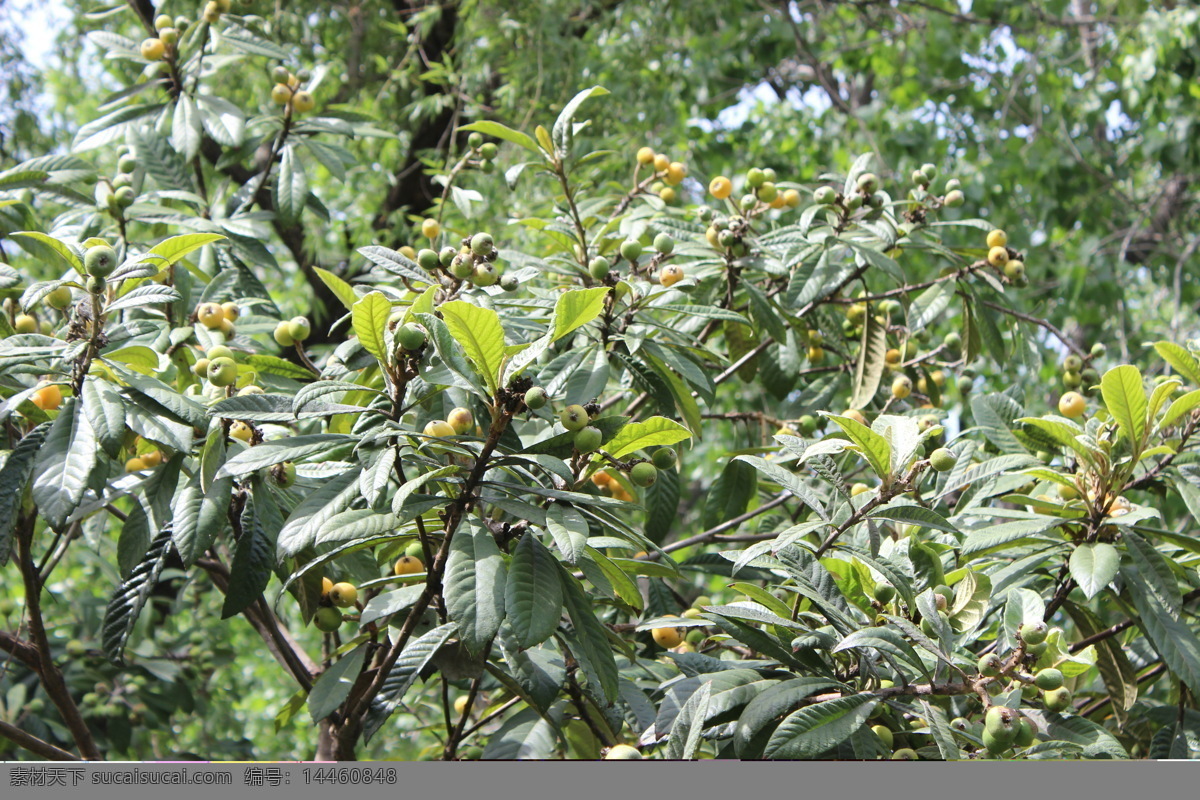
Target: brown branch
[
  {"x": 1108, "y": 633},
  {"x": 356, "y": 707},
  {"x": 1041, "y": 323},
  {"x": 52, "y": 678},
  {"x": 35, "y": 745},
  {"x": 279, "y": 642},
  {"x": 714, "y": 533}
]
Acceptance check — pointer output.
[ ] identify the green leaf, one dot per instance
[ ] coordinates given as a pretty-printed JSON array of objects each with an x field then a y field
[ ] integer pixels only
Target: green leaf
[
  {"x": 995, "y": 413},
  {"x": 873, "y": 447},
  {"x": 369, "y": 318},
  {"x": 253, "y": 560},
  {"x": 569, "y": 529},
  {"x": 638, "y": 435},
  {"x": 52, "y": 245},
  {"x": 1173, "y": 639},
  {"x": 64, "y": 464},
  {"x": 1181, "y": 359},
  {"x": 404, "y": 673},
  {"x": 334, "y": 495},
  {"x": 130, "y": 597},
  {"x": 14, "y": 476},
  {"x": 814, "y": 730},
  {"x": 335, "y": 683},
  {"x": 201, "y": 508},
  {"x": 689, "y": 725},
  {"x": 901, "y": 510},
  {"x": 868, "y": 370},
  {"x": 475, "y": 583},
  {"x": 885, "y": 640},
  {"x": 1125, "y": 399},
  {"x": 592, "y": 648},
  {"x": 186, "y": 127},
  {"x": 1180, "y": 406},
  {"x": 563, "y": 132},
  {"x": 1119, "y": 676},
  {"x": 1096, "y": 741},
  {"x": 760, "y": 714},
  {"x": 1153, "y": 565},
  {"x": 1093, "y": 566},
  {"x": 295, "y": 448},
  {"x": 972, "y": 595},
  {"x": 489, "y": 128},
  {"x": 343, "y": 291},
  {"x": 397, "y": 264},
  {"x": 176, "y": 248},
  {"x": 577, "y": 308},
  {"x": 729, "y": 494},
  {"x": 481, "y": 335},
  {"x": 533, "y": 595},
  {"x": 929, "y": 305},
  {"x": 1061, "y": 431},
  {"x": 388, "y": 603},
  {"x": 786, "y": 479},
  {"x": 106, "y": 412},
  {"x": 525, "y": 736},
  {"x": 291, "y": 186},
  {"x": 662, "y": 505},
  {"x": 144, "y": 296},
  {"x": 178, "y": 406}
]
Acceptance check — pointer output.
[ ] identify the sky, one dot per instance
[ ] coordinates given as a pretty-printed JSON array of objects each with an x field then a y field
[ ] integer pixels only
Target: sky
[{"x": 41, "y": 22}]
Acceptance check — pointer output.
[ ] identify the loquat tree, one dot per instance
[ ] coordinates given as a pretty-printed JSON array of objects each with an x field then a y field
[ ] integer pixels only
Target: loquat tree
[{"x": 755, "y": 465}]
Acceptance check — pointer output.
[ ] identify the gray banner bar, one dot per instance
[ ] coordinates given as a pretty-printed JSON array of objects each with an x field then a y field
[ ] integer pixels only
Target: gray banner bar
[{"x": 726, "y": 780}]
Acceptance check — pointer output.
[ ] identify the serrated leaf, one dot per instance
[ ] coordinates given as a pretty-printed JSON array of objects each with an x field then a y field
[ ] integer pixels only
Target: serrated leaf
[
  {"x": 61, "y": 249},
  {"x": 1093, "y": 566},
  {"x": 479, "y": 332},
  {"x": 291, "y": 186},
  {"x": 868, "y": 370},
  {"x": 569, "y": 529},
  {"x": 489, "y": 128},
  {"x": 754, "y": 724},
  {"x": 253, "y": 559},
  {"x": 1125, "y": 399},
  {"x": 729, "y": 494},
  {"x": 577, "y": 308},
  {"x": 533, "y": 595},
  {"x": 64, "y": 464},
  {"x": 106, "y": 412},
  {"x": 654, "y": 431},
  {"x": 369, "y": 317},
  {"x": 900, "y": 510},
  {"x": 343, "y": 291},
  {"x": 335, "y": 683},
  {"x": 591, "y": 645},
  {"x": 14, "y": 476},
  {"x": 475, "y": 583},
  {"x": 130, "y": 597},
  {"x": 873, "y": 447},
  {"x": 929, "y": 305},
  {"x": 689, "y": 725},
  {"x": 295, "y": 448},
  {"x": 416, "y": 654},
  {"x": 397, "y": 264},
  {"x": 814, "y": 730},
  {"x": 1173, "y": 639},
  {"x": 186, "y": 127},
  {"x": 1181, "y": 359}
]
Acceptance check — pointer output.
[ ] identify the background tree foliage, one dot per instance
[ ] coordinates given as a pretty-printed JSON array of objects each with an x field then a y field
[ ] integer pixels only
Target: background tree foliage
[{"x": 1071, "y": 125}]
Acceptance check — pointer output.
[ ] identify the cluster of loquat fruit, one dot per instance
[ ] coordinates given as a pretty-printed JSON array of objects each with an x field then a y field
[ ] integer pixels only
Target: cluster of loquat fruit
[
  {"x": 670, "y": 173},
  {"x": 287, "y": 92},
  {"x": 601, "y": 269}
]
